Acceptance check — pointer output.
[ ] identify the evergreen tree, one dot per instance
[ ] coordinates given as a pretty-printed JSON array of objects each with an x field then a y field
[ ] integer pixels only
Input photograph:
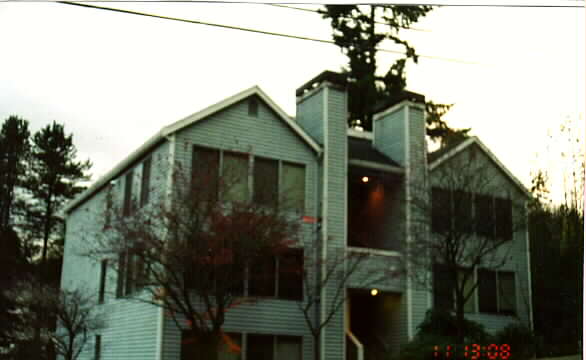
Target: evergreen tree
[
  {"x": 14, "y": 150},
  {"x": 356, "y": 32},
  {"x": 54, "y": 179}
]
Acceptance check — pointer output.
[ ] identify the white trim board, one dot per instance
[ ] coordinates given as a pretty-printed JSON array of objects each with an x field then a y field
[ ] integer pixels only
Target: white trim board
[
  {"x": 474, "y": 140},
  {"x": 166, "y": 131}
]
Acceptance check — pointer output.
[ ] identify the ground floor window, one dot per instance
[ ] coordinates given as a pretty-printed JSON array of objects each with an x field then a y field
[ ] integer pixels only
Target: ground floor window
[{"x": 258, "y": 347}]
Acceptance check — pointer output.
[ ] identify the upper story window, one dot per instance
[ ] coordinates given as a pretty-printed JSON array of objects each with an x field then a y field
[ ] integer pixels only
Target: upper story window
[
  {"x": 132, "y": 275},
  {"x": 467, "y": 213},
  {"x": 102, "y": 286},
  {"x": 243, "y": 178},
  {"x": 253, "y": 106}
]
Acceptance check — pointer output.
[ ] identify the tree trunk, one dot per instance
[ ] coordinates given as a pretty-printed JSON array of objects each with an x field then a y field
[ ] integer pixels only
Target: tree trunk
[
  {"x": 460, "y": 319},
  {"x": 316, "y": 346}
]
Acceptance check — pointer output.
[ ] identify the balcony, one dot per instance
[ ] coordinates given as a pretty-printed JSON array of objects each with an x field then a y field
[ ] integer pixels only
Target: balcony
[{"x": 375, "y": 215}]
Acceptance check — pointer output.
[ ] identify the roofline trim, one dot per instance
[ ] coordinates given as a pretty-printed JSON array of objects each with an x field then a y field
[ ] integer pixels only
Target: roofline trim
[
  {"x": 168, "y": 130},
  {"x": 104, "y": 179},
  {"x": 376, "y": 166},
  {"x": 395, "y": 107},
  {"x": 475, "y": 140}
]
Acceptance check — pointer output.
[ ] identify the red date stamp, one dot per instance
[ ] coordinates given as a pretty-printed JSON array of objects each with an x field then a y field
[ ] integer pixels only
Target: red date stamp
[{"x": 473, "y": 351}]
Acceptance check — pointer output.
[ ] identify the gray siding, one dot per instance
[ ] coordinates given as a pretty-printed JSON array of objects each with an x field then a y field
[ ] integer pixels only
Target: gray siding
[
  {"x": 310, "y": 115},
  {"x": 389, "y": 135},
  {"x": 130, "y": 331},
  {"x": 334, "y": 202},
  {"x": 515, "y": 251},
  {"x": 266, "y": 136}
]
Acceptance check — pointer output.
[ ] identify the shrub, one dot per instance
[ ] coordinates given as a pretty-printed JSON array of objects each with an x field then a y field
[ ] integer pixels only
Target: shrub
[
  {"x": 521, "y": 339},
  {"x": 443, "y": 323}
]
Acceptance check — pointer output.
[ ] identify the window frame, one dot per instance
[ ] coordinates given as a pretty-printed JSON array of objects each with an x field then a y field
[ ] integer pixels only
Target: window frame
[
  {"x": 127, "y": 207},
  {"x": 97, "y": 347},
  {"x": 276, "y": 286},
  {"x": 497, "y": 295}
]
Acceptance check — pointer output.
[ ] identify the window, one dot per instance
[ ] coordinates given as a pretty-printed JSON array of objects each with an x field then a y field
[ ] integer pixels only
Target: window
[
  {"x": 468, "y": 213},
  {"x": 291, "y": 275},
  {"x": 270, "y": 347},
  {"x": 266, "y": 181},
  {"x": 103, "y": 272},
  {"x": 98, "y": 347},
  {"x": 273, "y": 182},
  {"x": 261, "y": 281},
  {"x": 205, "y": 172},
  {"x": 131, "y": 274},
  {"x": 444, "y": 290},
  {"x": 253, "y": 106},
  {"x": 293, "y": 186},
  {"x": 504, "y": 218},
  {"x": 230, "y": 348},
  {"x": 235, "y": 177},
  {"x": 128, "y": 179},
  {"x": 145, "y": 182},
  {"x": 484, "y": 214},
  {"x": 280, "y": 276},
  {"x": 496, "y": 292}
]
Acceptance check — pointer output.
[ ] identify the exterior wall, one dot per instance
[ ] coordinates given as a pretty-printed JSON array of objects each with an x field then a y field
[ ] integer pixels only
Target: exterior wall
[
  {"x": 334, "y": 226},
  {"x": 310, "y": 115},
  {"x": 130, "y": 331},
  {"x": 389, "y": 134},
  {"x": 267, "y": 136},
  {"x": 516, "y": 252}
]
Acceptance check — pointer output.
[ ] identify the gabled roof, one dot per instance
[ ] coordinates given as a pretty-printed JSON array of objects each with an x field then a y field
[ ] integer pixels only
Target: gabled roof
[
  {"x": 438, "y": 157},
  {"x": 166, "y": 131}
]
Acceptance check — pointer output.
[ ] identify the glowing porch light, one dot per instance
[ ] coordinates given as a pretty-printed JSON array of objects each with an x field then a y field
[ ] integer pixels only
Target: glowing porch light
[
  {"x": 365, "y": 179},
  {"x": 374, "y": 292}
]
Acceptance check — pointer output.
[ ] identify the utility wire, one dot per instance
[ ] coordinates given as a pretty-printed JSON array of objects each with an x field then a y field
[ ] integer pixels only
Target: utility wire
[
  {"x": 245, "y": 29},
  {"x": 320, "y": 12}
]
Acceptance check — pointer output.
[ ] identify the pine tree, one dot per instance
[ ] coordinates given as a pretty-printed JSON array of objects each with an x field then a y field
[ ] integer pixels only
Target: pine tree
[{"x": 359, "y": 30}]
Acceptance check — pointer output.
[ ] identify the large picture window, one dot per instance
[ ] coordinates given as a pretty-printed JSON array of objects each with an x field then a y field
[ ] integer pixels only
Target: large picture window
[
  {"x": 235, "y": 177},
  {"x": 270, "y": 347},
  {"x": 266, "y": 181},
  {"x": 280, "y": 276}
]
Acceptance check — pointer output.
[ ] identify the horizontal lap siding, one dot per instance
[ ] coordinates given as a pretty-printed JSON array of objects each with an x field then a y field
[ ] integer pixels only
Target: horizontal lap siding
[
  {"x": 309, "y": 110},
  {"x": 266, "y": 136},
  {"x": 130, "y": 327}
]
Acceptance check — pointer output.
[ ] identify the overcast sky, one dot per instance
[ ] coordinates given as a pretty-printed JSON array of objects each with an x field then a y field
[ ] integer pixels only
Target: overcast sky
[{"x": 115, "y": 79}]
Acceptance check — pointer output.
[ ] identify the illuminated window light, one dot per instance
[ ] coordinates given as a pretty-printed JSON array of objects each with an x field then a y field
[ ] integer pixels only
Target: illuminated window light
[
  {"x": 365, "y": 179},
  {"x": 374, "y": 292}
]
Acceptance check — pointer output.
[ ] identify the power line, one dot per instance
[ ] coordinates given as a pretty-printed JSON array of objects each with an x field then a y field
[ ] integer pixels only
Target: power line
[
  {"x": 244, "y": 29},
  {"x": 320, "y": 12}
]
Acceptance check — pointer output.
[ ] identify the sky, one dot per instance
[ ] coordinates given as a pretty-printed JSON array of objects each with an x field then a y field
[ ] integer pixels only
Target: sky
[{"x": 114, "y": 80}]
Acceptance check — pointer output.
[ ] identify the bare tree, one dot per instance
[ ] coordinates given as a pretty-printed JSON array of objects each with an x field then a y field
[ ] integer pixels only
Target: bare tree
[
  {"x": 192, "y": 251},
  {"x": 76, "y": 321},
  {"x": 464, "y": 219}
]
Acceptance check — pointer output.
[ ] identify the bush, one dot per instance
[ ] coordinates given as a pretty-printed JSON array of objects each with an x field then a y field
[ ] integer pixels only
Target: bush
[
  {"x": 439, "y": 329},
  {"x": 443, "y": 323},
  {"x": 521, "y": 339}
]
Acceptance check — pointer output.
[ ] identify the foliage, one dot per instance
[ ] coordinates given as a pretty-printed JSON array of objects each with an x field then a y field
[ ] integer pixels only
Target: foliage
[
  {"x": 53, "y": 179},
  {"x": 440, "y": 328},
  {"x": 444, "y": 226},
  {"x": 14, "y": 151},
  {"x": 189, "y": 251},
  {"x": 520, "y": 338},
  {"x": 444, "y": 324},
  {"x": 76, "y": 321},
  {"x": 356, "y": 32}
]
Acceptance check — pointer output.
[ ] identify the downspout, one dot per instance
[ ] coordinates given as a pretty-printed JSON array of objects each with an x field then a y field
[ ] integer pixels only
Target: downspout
[{"x": 324, "y": 225}]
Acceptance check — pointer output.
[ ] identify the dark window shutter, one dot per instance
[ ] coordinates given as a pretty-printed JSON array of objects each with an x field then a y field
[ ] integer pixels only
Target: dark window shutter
[
  {"x": 127, "y": 209},
  {"x": 98, "y": 347},
  {"x": 463, "y": 212},
  {"x": 121, "y": 275},
  {"x": 145, "y": 182},
  {"x": 507, "y": 293},
  {"x": 487, "y": 291}
]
